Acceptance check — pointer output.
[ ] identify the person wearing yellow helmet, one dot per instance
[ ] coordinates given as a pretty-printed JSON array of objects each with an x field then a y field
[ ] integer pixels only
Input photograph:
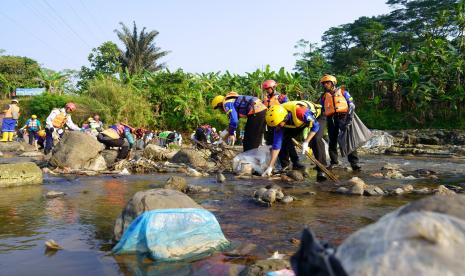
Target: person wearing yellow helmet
[
  {"x": 236, "y": 106},
  {"x": 338, "y": 107},
  {"x": 33, "y": 126},
  {"x": 289, "y": 120}
]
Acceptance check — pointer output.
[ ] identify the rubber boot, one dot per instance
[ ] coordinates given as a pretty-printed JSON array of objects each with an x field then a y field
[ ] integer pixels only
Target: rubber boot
[
  {"x": 4, "y": 137},
  {"x": 10, "y": 136},
  {"x": 321, "y": 176}
]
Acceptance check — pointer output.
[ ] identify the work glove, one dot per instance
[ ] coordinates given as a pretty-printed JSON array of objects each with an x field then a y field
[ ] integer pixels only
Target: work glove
[
  {"x": 268, "y": 171},
  {"x": 304, "y": 148}
]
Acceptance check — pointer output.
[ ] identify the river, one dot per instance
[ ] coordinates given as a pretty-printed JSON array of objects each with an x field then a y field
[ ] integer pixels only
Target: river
[{"x": 82, "y": 221}]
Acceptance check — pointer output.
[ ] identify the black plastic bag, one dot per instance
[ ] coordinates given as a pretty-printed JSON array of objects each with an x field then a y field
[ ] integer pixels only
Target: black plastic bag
[
  {"x": 353, "y": 136},
  {"x": 314, "y": 258}
]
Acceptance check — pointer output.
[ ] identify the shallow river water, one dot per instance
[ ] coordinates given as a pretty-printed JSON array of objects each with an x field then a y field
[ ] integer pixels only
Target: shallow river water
[{"x": 82, "y": 221}]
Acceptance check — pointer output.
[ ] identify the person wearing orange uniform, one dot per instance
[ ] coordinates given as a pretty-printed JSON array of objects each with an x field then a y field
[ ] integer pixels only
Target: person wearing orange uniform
[
  {"x": 235, "y": 106},
  {"x": 271, "y": 98},
  {"x": 338, "y": 108}
]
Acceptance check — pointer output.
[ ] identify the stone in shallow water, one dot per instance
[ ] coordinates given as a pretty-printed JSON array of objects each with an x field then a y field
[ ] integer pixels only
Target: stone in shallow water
[
  {"x": 442, "y": 190},
  {"x": 220, "y": 178},
  {"x": 20, "y": 174},
  {"x": 371, "y": 190},
  {"x": 342, "y": 190},
  {"x": 287, "y": 199},
  {"x": 54, "y": 194},
  {"x": 398, "y": 191}
]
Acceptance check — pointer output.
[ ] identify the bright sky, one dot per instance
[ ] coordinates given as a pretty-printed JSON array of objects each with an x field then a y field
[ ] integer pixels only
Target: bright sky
[{"x": 202, "y": 35}]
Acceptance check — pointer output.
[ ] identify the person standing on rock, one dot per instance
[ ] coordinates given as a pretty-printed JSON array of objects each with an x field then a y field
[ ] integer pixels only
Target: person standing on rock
[
  {"x": 56, "y": 121},
  {"x": 271, "y": 98},
  {"x": 235, "y": 106},
  {"x": 338, "y": 107},
  {"x": 120, "y": 136},
  {"x": 10, "y": 120},
  {"x": 33, "y": 126},
  {"x": 289, "y": 120}
]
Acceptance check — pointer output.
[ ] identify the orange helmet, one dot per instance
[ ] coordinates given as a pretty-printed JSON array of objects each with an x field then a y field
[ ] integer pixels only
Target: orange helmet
[
  {"x": 71, "y": 106},
  {"x": 268, "y": 84},
  {"x": 330, "y": 78}
]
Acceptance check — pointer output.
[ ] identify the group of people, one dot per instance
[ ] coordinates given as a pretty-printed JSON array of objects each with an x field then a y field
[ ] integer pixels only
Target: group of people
[
  {"x": 275, "y": 118},
  {"x": 280, "y": 120},
  {"x": 121, "y": 135}
]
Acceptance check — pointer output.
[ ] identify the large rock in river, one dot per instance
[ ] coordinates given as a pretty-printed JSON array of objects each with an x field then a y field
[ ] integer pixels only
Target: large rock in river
[
  {"x": 110, "y": 156},
  {"x": 425, "y": 237},
  {"x": 78, "y": 151},
  {"x": 190, "y": 157},
  {"x": 157, "y": 153},
  {"x": 11, "y": 146},
  {"x": 19, "y": 174},
  {"x": 150, "y": 200}
]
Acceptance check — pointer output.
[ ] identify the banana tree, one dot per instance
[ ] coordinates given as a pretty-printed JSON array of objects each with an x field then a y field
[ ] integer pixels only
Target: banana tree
[
  {"x": 390, "y": 69},
  {"x": 53, "y": 82}
]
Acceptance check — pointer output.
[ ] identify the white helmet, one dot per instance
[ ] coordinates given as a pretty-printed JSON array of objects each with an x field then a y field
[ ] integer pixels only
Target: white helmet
[{"x": 213, "y": 129}]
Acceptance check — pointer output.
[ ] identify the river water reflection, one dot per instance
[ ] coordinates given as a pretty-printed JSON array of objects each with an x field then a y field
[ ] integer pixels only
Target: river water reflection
[{"x": 82, "y": 221}]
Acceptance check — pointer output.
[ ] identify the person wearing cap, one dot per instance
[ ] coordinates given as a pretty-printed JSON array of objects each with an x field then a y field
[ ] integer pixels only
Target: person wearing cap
[
  {"x": 289, "y": 120},
  {"x": 10, "y": 120},
  {"x": 118, "y": 135},
  {"x": 241, "y": 106},
  {"x": 40, "y": 142},
  {"x": 94, "y": 126},
  {"x": 338, "y": 107},
  {"x": 56, "y": 121},
  {"x": 33, "y": 126}
]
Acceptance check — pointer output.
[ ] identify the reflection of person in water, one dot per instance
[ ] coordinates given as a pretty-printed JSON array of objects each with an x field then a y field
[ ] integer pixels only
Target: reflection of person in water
[
  {"x": 114, "y": 192},
  {"x": 59, "y": 209}
]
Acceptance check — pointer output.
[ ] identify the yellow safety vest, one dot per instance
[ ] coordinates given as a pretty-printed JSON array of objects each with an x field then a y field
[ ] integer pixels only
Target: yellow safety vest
[{"x": 292, "y": 107}]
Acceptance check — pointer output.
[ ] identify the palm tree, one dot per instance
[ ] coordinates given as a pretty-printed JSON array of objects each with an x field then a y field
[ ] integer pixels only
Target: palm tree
[
  {"x": 53, "y": 82},
  {"x": 141, "y": 52}
]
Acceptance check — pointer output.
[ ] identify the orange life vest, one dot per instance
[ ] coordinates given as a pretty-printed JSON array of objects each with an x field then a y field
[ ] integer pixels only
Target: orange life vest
[
  {"x": 270, "y": 101},
  {"x": 244, "y": 105},
  {"x": 60, "y": 120},
  {"x": 335, "y": 103}
]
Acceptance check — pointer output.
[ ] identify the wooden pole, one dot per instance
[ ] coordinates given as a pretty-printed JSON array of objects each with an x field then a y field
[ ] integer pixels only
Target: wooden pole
[{"x": 316, "y": 162}]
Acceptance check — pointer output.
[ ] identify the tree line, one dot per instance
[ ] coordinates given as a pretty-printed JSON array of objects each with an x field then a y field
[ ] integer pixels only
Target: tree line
[{"x": 404, "y": 69}]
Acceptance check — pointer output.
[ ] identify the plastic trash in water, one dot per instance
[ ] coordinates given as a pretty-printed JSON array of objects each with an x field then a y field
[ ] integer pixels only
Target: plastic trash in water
[
  {"x": 125, "y": 172},
  {"x": 173, "y": 234},
  {"x": 282, "y": 272},
  {"x": 257, "y": 158},
  {"x": 276, "y": 256}
]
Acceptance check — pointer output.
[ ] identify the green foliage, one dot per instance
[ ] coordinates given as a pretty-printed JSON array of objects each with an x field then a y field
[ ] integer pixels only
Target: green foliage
[
  {"x": 17, "y": 72},
  {"x": 404, "y": 69},
  {"x": 42, "y": 106},
  {"x": 118, "y": 102},
  {"x": 104, "y": 60},
  {"x": 54, "y": 82}
]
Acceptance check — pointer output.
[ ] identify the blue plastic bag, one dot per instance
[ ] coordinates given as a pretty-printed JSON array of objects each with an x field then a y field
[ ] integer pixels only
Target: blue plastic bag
[{"x": 173, "y": 234}]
